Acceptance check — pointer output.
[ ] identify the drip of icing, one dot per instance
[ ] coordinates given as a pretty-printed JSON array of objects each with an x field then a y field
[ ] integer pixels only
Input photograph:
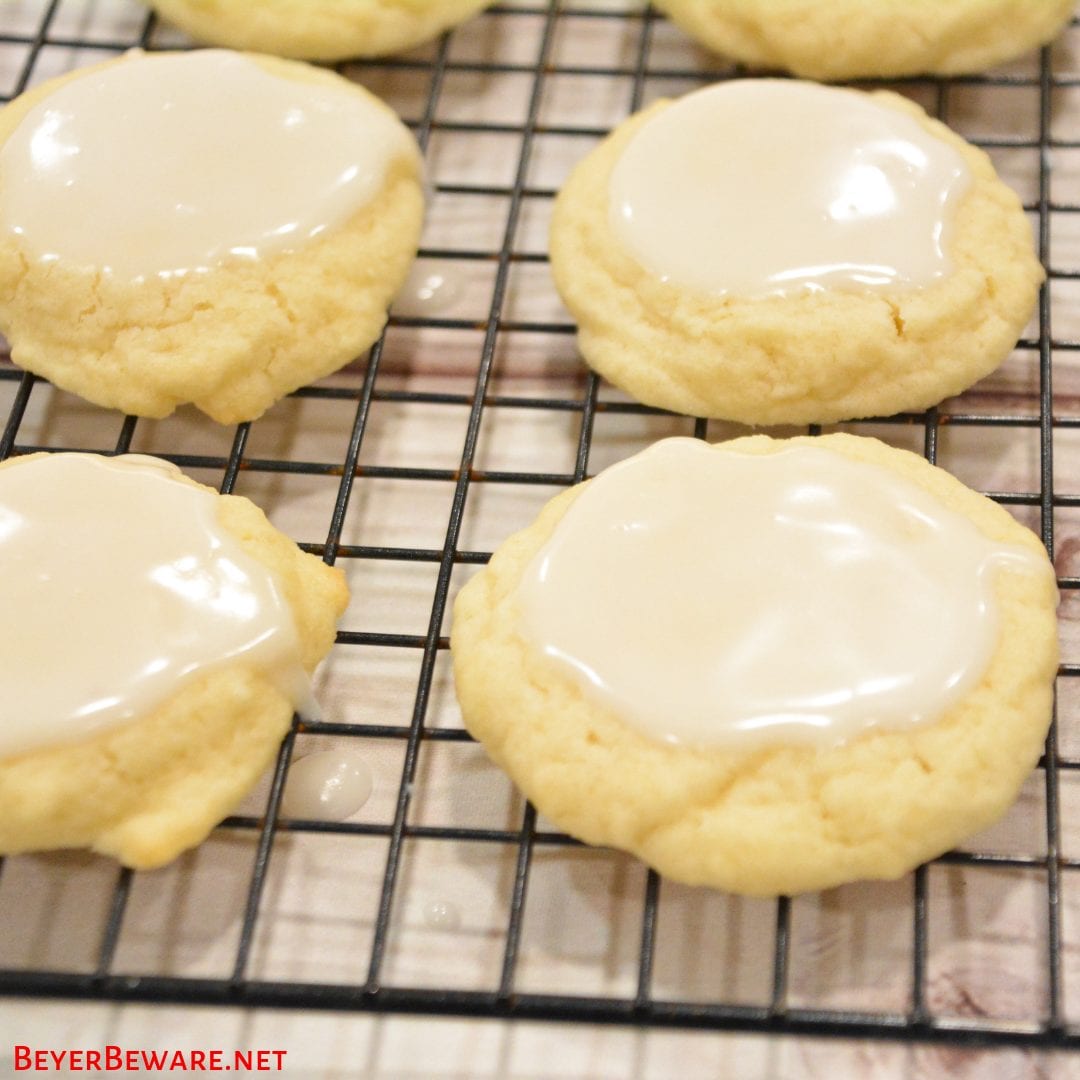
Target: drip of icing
[
  {"x": 719, "y": 598},
  {"x": 770, "y": 187},
  {"x": 329, "y": 785},
  {"x": 119, "y": 586},
  {"x": 171, "y": 164},
  {"x": 442, "y": 915},
  {"x": 427, "y": 291}
]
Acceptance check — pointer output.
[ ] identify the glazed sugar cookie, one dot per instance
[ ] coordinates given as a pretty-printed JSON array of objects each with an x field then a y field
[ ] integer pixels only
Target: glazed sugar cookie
[
  {"x": 776, "y": 252},
  {"x": 237, "y": 236},
  {"x": 157, "y": 639},
  {"x": 317, "y": 29},
  {"x": 765, "y": 666},
  {"x": 852, "y": 39}
]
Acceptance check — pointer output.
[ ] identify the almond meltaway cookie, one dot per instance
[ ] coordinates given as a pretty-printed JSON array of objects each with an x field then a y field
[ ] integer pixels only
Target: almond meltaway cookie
[
  {"x": 851, "y": 39},
  {"x": 157, "y": 639},
  {"x": 317, "y": 29},
  {"x": 240, "y": 234},
  {"x": 776, "y": 252},
  {"x": 767, "y": 666}
]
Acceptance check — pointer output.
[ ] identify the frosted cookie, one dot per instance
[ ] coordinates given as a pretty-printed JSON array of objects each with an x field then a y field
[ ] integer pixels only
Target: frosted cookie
[
  {"x": 851, "y": 39},
  {"x": 777, "y": 252},
  {"x": 237, "y": 235},
  {"x": 157, "y": 638},
  {"x": 317, "y": 29},
  {"x": 765, "y": 666}
]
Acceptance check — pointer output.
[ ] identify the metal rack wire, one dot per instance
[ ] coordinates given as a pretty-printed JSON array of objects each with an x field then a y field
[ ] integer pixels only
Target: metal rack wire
[{"x": 585, "y": 404}]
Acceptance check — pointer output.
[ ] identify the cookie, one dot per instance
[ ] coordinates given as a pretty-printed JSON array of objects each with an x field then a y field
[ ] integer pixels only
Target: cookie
[
  {"x": 240, "y": 234},
  {"x": 767, "y": 666},
  {"x": 776, "y": 252},
  {"x": 853, "y": 39},
  {"x": 317, "y": 29},
  {"x": 158, "y": 639}
]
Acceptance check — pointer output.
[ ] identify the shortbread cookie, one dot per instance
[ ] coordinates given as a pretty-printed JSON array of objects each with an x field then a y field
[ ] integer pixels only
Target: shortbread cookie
[
  {"x": 852, "y": 39},
  {"x": 317, "y": 29},
  {"x": 239, "y": 234},
  {"x": 777, "y": 252},
  {"x": 156, "y": 640},
  {"x": 765, "y": 666}
]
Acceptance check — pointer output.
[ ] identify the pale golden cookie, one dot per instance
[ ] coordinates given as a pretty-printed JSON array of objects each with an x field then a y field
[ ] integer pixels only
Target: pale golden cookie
[
  {"x": 148, "y": 789},
  {"x": 806, "y": 358},
  {"x": 317, "y": 29},
  {"x": 772, "y": 819},
  {"x": 851, "y": 39},
  {"x": 234, "y": 339}
]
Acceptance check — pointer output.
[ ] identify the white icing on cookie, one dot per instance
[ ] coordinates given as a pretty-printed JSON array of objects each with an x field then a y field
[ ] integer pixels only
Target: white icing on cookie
[
  {"x": 118, "y": 587},
  {"x": 175, "y": 163},
  {"x": 770, "y": 187},
  {"x": 720, "y": 598}
]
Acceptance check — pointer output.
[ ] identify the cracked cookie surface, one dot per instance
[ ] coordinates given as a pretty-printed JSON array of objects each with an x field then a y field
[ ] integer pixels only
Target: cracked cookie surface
[
  {"x": 317, "y": 29},
  {"x": 852, "y": 39},
  {"x": 232, "y": 340},
  {"x": 810, "y": 358},
  {"x": 775, "y": 819}
]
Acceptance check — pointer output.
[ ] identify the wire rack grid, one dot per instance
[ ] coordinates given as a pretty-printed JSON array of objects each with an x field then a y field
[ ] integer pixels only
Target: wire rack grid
[{"x": 447, "y": 894}]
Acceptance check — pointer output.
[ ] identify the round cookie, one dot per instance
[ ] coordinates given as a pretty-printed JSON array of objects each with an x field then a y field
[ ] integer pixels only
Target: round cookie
[
  {"x": 766, "y": 817},
  {"x": 317, "y": 29},
  {"x": 811, "y": 356},
  {"x": 145, "y": 789},
  {"x": 853, "y": 39},
  {"x": 238, "y": 332}
]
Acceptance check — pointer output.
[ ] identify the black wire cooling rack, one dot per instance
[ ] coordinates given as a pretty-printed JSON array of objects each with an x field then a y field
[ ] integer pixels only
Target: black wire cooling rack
[{"x": 39, "y": 31}]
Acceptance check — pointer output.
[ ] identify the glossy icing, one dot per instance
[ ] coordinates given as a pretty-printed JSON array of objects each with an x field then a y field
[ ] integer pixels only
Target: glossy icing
[
  {"x": 175, "y": 163},
  {"x": 328, "y": 785},
  {"x": 119, "y": 586},
  {"x": 715, "y": 597},
  {"x": 771, "y": 187}
]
